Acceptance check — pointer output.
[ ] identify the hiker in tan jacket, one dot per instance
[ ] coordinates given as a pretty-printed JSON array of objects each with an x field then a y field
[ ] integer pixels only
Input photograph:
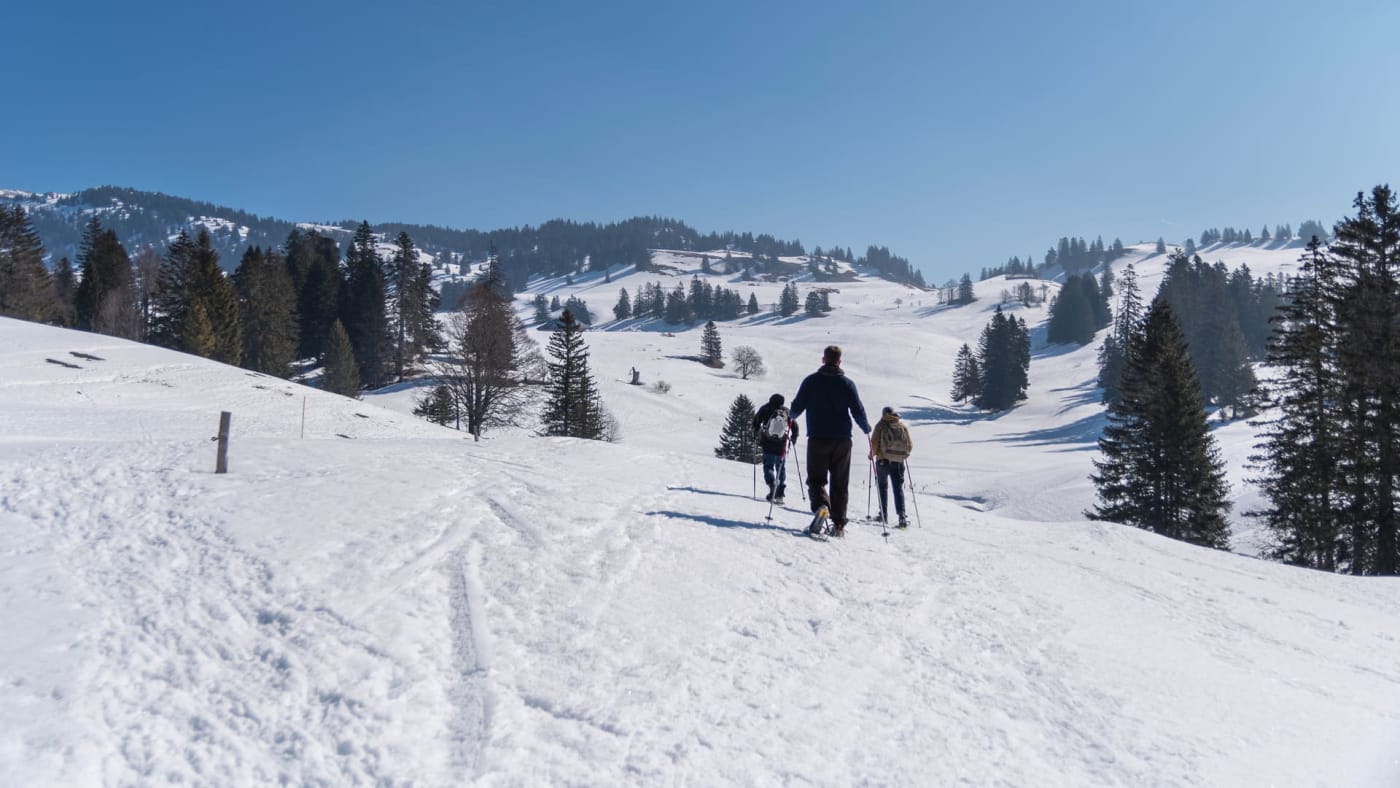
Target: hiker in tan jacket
[{"x": 890, "y": 446}]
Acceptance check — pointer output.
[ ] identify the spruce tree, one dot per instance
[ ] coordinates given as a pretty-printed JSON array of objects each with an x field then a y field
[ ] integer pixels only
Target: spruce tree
[
  {"x": 65, "y": 282},
  {"x": 753, "y": 304},
  {"x": 1003, "y": 359},
  {"x": 710, "y": 347},
  {"x": 103, "y": 301},
  {"x": 623, "y": 309},
  {"x": 966, "y": 294},
  {"x": 1299, "y": 458},
  {"x": 1072, "y": 317},
  {"x": 736, "y": 440},
  {"x": 967, "y": 376},
  {"x": 26, "y": 287},
  {"x": 213, "y": 289},
  {"x": 1161, "y": 470},
  {"x": 437, "y": 405},
  {"x": 267, "y": 309},
  {"x": 788, "y": 301},
  {"x": 572, "y": 408},
  {"x": 1365, "y": 301},
  {"x": 313, "y": 262},
  {"x": 339, "y": 374},
  {"x": 412, "y": 324},
  {"x": 363, "y": 308},
  {"x": 197, "y": 334}
]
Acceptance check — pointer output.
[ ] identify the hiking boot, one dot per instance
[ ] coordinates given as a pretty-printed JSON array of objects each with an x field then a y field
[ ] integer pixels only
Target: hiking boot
[
  {"x": 779, "y": 500},
  {"x": 903, "y": 522},
  {"x": 839, "y": 530}
]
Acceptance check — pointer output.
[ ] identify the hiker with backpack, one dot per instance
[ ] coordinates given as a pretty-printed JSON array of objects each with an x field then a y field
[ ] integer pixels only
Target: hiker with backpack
[
  {"x": 774, "y": 431},
  {"x": 831, "y": 402},
  {"x": 890, "y": 447}
]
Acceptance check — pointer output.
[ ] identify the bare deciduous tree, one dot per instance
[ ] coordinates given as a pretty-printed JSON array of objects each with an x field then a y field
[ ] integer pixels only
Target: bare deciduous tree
[
  {"x": 747, "y": 362},
  {"x": 489, "y": 363}
]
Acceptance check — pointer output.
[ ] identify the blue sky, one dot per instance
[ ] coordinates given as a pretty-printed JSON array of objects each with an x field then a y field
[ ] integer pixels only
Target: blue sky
[{"x": 956, "y": 134}]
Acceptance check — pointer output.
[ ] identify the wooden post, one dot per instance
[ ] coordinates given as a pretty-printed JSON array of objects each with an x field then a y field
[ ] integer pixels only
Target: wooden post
[{"x": 222, "y": 466}]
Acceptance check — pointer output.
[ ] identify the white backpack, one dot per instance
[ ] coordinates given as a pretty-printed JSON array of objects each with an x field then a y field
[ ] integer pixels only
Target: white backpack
[{"x": 776, "y": 427}]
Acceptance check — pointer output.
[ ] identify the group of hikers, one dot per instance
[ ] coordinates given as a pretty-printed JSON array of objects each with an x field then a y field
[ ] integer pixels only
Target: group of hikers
[{"x": 831, "y": 403}]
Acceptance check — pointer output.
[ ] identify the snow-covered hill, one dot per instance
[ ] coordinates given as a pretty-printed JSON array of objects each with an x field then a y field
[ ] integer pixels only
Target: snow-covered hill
[{"x": 382, "y": 601}]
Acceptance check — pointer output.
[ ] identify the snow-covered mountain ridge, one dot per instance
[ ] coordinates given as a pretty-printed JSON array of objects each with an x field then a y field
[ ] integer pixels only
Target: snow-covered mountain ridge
[{"x": 383, "y": 601}]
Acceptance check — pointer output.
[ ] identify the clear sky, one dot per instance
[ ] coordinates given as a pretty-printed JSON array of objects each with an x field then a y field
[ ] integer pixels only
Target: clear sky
[{"x": 957, "y": 134}]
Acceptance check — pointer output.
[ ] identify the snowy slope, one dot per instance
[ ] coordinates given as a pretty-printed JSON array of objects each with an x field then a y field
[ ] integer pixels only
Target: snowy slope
[{"x": 383, "y": 601}]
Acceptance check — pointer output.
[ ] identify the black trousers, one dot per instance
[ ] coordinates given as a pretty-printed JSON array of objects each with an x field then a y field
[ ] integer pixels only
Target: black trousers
[{"x": 829, "y": 457}]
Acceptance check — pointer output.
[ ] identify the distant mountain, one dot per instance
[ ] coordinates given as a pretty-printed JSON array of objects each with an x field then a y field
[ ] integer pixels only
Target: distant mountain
[{"x": 555, "y": 247}]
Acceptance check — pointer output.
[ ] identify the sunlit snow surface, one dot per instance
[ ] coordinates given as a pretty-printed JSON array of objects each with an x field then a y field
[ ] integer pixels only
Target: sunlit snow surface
[{"x": 384, "y": 601}]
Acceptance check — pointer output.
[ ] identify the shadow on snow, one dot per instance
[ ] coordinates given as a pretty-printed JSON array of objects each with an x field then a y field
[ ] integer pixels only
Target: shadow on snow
[{"x": 720, "y": 522}]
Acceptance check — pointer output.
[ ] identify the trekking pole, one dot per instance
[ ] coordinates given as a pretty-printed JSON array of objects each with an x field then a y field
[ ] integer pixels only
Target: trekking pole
[
  {"x": 869, "y": 470},
  {"x": 914, "y": 496},
  {"x": 801, "y": 483},
  {"x": 755, "y": 481}
]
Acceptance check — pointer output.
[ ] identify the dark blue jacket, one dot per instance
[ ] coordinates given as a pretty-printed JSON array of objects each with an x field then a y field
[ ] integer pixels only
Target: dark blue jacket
[{"x": 830, "y": 400}]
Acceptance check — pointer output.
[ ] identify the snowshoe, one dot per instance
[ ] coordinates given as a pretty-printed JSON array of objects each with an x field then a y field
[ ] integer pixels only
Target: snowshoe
[{"x": 821, "y": 525}]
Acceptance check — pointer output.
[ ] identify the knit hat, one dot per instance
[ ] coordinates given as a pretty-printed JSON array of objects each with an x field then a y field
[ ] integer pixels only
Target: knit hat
[
  {"x": 776, "y": 400},
  {"x": 888, "y": 411}
]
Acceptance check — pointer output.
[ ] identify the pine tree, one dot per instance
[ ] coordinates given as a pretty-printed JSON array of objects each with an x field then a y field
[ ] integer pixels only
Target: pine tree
[
  {"x": 65, "y": 282},
  {"x": 211, "y": 288},
  {"x": 1072, "y": 317},
  {"x": 1161, "y": 246},
  {"x": 197, "y": 335},
  {"x": 736, "y": 440},
  {"x": 788, "y": 301},
  {"x": 313, "y": 261},
  {"x": 967, "y": 376},
  {"x": 677, "y": 309},
  {"x": 1003, "y": 359},
  {"x": 103, "y": 300},
  {"x": 753, "y": 304},
  {"x": 813, "y": 307},
  {"x": 966, "y": 294},
  {"x": 26, "y": 287},
  {"x": 623, "y": 309},
  {"x": 339, "y": 375},
  {"x": 363, "y": 308},
  {"x": 1365, "y": 301},
  {"x": 1299, "y": 458},
  {"x": 710, "y": 347},
  {"x": 437, "y": 405},
  {"x": 1160, "y": 469},
  {"x": 267, "y": 310},
  {"x": 573, "y": 408},
  {"x": 412, "y": 324}
]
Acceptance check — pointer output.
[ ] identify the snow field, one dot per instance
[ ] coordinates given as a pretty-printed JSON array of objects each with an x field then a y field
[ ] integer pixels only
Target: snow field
[{"x": 401, "y": 605}]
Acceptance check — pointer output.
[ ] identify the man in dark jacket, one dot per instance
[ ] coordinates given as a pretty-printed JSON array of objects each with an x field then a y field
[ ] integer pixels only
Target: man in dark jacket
[
  {"x": 831, "y": 401},
  {"x": 774, "y": 442}
]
